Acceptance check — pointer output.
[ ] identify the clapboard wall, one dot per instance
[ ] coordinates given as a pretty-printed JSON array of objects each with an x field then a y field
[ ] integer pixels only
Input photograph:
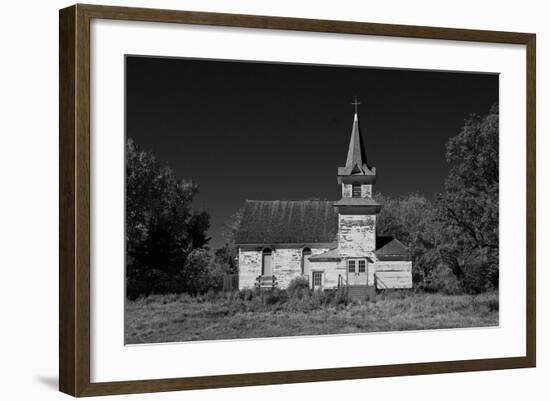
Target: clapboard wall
[{"x": 393, "y": 274}]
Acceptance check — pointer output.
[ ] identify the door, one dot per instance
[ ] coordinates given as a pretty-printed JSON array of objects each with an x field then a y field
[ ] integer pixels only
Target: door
[
  {"x": 266, "y": 263},
  {"x": 357, "y": 271},
  {"x": 317, "y": 280}
]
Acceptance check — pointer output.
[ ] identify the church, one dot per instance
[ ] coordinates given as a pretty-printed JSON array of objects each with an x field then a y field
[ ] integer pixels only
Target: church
[{"x": 330, "y": 243}]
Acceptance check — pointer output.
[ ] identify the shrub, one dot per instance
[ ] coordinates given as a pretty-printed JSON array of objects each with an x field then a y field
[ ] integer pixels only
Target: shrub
[
  {"x": 275, "y": 296},
  {"x": 319, "y": 298},
  {"x": 298, "y": 287},
  {"x": 235, "y": 306},
  {"x": 210, "y": 296},
  {"x": 443, "y": 280},
  {"x": 246, "y": 294},
  {"x": 254, "y": 305}
]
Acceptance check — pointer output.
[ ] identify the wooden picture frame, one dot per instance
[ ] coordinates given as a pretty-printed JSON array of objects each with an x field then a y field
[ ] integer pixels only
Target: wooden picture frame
[{"x": 74, "y": 200}]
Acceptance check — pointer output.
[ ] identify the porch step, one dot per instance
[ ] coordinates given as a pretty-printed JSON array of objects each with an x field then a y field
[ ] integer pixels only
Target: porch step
[{"x": 361, "y": 292}]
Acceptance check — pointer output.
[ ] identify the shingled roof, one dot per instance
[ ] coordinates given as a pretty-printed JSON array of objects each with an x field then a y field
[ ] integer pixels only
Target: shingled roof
[
  {"x": 389, "y": 248},
  {"x": 303, "y": 222},
  {"x": 287, "y": 222}
]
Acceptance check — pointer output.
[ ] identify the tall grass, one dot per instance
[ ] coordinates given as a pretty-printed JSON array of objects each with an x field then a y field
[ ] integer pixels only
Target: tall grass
[{"x": 254, "y": 314}]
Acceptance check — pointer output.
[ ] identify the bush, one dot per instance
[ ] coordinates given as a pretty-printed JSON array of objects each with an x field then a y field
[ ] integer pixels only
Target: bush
[
  {"x": 298, "y": 287},
  {"x": 275, "y": 296},
  {"x": 443, "y": 280},
  {"x": 246, "y": 294},
  {"x": 211, "y": 296}
]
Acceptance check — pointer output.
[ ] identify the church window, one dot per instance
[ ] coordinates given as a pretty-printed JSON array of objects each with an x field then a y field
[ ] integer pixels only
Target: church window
[
  {"x": 266, "y": 262},
  {"x": 351, "y": 266},
  {"x": 317, "y": 279},
  {"x": 356, "y": 190},
  {"x": 306, "y": 253},
  {"x": 361, "y": 266}
]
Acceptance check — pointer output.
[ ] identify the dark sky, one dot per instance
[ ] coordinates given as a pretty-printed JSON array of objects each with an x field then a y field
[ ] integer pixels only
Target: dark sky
[{"x": 244, "y": 130}]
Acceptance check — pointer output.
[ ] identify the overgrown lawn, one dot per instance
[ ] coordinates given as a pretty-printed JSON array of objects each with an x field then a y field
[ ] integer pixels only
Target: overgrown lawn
[{"x": 169, "y": 318}]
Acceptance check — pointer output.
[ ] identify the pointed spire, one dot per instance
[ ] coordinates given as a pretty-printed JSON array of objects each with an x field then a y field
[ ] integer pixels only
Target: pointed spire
[
  {"x": 356, "y": 162},
  {"x": 357, "y": 156}
]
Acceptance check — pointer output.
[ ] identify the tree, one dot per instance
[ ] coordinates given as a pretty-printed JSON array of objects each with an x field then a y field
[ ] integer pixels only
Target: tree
[
  {"x": 162, "y": 231},
  {"x": 454, "y": 240},
  {"x": 231, "y": 226},
  {"x": 225, "y": 258},
  {"x": 411, "y": 220},
  {"x": 468, "y": 209}
]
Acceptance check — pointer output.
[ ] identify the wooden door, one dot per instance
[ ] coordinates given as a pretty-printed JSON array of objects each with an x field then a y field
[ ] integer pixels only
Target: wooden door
[{"x": 357, "y": 271}]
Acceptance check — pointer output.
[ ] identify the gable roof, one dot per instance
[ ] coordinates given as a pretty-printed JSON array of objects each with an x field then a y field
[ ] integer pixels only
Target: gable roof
[
  {"x": 287, "y": 222},
  {"x": 389, "y": 248},
  {"x": 302, "y": 222}
]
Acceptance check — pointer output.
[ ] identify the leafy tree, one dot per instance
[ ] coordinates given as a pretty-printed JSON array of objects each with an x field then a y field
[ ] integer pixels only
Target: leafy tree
[
  {"x": 468, "y": 209},
  {"x": 411, "y": 220},
  {"x": 230, "y": 227},
  {"x": 454, "y": 240},
  {"x": 225, "y": 258},
  {"x": 196, "y": 273},
  {"x": 163, "y": 233}
]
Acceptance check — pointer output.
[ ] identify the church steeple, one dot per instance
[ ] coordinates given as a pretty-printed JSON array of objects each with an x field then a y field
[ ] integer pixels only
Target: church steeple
[
  {"x": 356, "y": 161},
  {"x": 357, "y": 156},
  {"x": 356, "y": 178}
]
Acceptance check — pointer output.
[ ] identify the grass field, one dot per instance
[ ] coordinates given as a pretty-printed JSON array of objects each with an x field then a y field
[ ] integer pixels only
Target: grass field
[{"x": 168, "y": 318}]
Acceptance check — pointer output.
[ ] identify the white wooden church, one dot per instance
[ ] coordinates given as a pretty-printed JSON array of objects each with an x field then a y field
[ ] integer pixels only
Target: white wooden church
[{"x": 332, "y": 244}]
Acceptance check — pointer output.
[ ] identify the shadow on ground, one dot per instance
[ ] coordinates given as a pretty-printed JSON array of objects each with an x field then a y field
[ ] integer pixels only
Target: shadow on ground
[{"x": 49, "y": 381}]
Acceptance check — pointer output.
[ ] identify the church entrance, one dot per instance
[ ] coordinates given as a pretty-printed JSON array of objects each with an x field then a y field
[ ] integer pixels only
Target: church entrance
[{"x": 357, "y": 272}]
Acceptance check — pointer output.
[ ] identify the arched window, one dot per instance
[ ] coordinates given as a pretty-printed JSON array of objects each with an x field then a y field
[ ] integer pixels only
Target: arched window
[
  {"x": 267, "y": 269},
  {"x": 355, "y": 190},
  {"x": 306, "y": 253}
]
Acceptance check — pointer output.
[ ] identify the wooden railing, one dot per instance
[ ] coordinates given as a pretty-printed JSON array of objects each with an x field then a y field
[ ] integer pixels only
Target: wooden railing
[
  {"x": 342, "y": 281},
  {"x": 266, "y": 282}
]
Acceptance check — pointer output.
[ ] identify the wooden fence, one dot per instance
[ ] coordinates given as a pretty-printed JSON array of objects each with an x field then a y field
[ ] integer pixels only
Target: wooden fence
[{"x": 231, "y": 282}]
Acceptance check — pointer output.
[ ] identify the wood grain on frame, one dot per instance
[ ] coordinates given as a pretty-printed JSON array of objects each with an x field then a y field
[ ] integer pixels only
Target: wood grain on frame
[{"x": 74, "y": 199}]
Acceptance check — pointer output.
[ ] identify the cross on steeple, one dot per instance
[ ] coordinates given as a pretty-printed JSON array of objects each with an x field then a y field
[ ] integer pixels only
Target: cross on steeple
[{"x": 356, "y": 103}]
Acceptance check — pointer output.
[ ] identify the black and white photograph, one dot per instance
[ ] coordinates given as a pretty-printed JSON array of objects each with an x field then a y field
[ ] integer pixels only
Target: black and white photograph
[
  {"x": 278, "y": 200},
  {"x": 275, "y": 200}
]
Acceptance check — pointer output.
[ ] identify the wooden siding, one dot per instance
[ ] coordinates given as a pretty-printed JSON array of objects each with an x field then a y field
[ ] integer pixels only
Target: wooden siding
[
  {"x": 371, "y": 269},
  {"x": 357, "y": 235},
  {"x": 330, "y": 270},
  {"x": 393, "y": 275},
  {"x": 286, "y": 265},
  {"x": 250, "y": 267},
  {"x": 389, "y": 266},
  {"x": 366, "y": 191}
]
